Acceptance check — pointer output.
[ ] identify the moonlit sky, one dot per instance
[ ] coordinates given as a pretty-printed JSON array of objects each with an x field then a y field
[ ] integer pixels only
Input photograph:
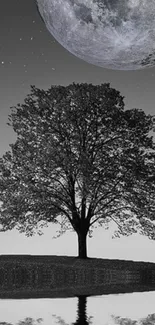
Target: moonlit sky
[{"x": 29, "y": 55}]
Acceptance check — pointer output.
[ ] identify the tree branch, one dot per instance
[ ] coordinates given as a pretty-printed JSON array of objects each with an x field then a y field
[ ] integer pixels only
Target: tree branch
[
  {"x": 63, "y": 211},
  {"x": 61, "y": 199},
  {"x": 117, "y": 224},
  {"x": 105, "y": 195},
  {"x": 107, "y": 203},
  {"x": 90, "y": 212},
  {"x": 111, "y": 211},
  {"x": 100, "y": 145},
  {"x": 83, "y": 208},
  {"x": 58, "y": 181}
]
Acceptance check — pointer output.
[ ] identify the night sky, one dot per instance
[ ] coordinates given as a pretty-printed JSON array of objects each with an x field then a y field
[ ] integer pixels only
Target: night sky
[{"x": 29, "y": 55}]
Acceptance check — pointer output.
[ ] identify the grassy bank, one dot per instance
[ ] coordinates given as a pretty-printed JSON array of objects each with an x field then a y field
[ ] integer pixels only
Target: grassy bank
[
  {"x": 76, "y": 262},
  {"x": 67, "y": 276}
]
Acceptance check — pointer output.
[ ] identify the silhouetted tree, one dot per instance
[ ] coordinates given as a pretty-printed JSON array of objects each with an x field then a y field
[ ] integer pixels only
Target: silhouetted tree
[{"x": 80, "y": 158}]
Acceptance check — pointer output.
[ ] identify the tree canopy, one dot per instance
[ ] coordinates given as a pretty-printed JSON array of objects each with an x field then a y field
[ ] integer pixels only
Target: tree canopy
[{"x": 80, "y": 159}]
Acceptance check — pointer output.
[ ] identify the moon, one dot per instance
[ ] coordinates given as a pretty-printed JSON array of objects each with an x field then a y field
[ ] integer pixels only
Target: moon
[{"x": 112, "y": 34}]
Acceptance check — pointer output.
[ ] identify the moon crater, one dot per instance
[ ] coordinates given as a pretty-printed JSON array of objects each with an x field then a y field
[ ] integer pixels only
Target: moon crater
[{"x": 113, "y": 34}]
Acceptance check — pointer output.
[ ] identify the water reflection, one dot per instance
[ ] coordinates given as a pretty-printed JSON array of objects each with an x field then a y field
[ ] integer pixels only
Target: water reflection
[
  {"x": 149, "y": 320},
  {"x": 81, "y": 311},
  {"x": 26, "y": 321},
  {"x": 114, "y": 309}
]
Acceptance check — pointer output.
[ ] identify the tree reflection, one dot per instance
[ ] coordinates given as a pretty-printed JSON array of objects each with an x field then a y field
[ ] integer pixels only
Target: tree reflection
[
  {"x": 26, "y": 321},
  {"x": 29, "y": 321},
  {"x": 5, "y": 323},
  {"x": 149, "y": 320},
  {"x": 82, "y": 318},
  {"x": 81, "y": 311}
]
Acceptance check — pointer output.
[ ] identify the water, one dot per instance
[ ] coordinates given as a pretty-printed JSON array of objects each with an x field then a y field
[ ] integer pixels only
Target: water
[{"x": 136, "y": 308}]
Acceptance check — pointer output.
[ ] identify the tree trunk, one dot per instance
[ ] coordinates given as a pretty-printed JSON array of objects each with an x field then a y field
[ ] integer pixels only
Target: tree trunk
[{"x": 82, "y": 244}]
